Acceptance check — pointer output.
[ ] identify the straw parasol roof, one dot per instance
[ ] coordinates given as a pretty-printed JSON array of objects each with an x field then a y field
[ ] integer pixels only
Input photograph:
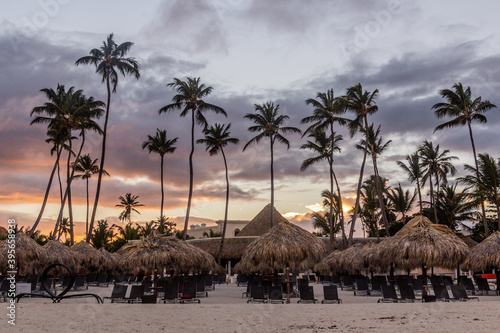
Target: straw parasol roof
[
  {"x": 422, "y": 242},
  {"x": 109, "y": 261},
  {"x": 351, "y": 260},
  {"x": 485, "y": 255},
  {"x": 261, "y": 223},
  {"x": 329, "y": 264},
  {"x": 87, "y": 257},
  {"x": 284, "y": 245},
  {"x": 29, "y": 256},
  {"x": 169, "y": 252},
  {"x": 60, "y": 253}
]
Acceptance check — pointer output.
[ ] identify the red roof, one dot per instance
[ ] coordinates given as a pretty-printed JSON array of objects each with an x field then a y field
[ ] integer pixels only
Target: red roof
[{"x": 3, "y": 231}]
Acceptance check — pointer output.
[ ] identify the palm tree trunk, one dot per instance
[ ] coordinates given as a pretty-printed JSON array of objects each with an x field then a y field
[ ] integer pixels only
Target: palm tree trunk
[
  {"x": 330, "y": 213},
  {"x": 191, "y": 174},
  {"x": 433, "y": 203},
  {"x": 356, "y": 205},
  {"x": 272, "y": 182},
  {"x": 59, "y": 179},
  {"x": 161, "y": 227},
  {"x": 342, "y": 221},
  {"x": 219, "y": 256},
  {"x": 419, "y": 196},
  {"x": 47, "y": 191},
  {"x": 87, "y": 216},
  {"x": 103, "y": 155},
  {"x": 68, "y": 189},
  {"x": 380, "y": 195},
  {"x": 483, "y": 210},
  {"x": 59, "y": 217},
  {"x": 342, "y": 226}
]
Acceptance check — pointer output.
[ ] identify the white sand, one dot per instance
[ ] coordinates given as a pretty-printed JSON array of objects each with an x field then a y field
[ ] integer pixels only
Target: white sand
[{"x": 225, "y": 311}]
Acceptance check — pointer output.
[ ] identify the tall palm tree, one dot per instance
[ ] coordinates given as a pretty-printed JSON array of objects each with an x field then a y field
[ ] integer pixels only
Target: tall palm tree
[
  {"x": 362, "y": 104},
  {"x": 373, "y": 144},
  {"x": 438, "y": 165},
  {"x": 269, "y": 124},
  {"x": 87, "y": 168},
  {"x": 161, "y": 145},
  {"x": 368, "y": 209},
  {"x": 129, "y": 203},
  {"x": 327, "y": 111},
  {"x": 189, "y": 99},
  {"x": 70, "y": 110},
  {"x": 324, "y": 146},
  {"x": 216, "y": 138},
  {"x": 109, "y": 59},
  {"x": 414, "y": 170},
  {"x": 487, "y": 186},
  {"x": 64, "y": 229},
  {"x": 453, "y": 207},
  {"x": 102, "y": 235},
  {"x": 463, "y": 110},
  {"x": 57, "y": 137},
  {"x": 402, "y": 201}
]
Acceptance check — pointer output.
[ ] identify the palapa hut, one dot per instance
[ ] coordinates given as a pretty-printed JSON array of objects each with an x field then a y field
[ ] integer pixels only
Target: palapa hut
[
  {"x": 486, "y": 255},
  {"x": 108, "y": 261},
  {"x": 29, "y": 256},
  {"x": 88, "y": 258},
  {"x": 421, "y": 243},
  {"x": 58, "y": 253},
  {"x": 284, "y": 247}
]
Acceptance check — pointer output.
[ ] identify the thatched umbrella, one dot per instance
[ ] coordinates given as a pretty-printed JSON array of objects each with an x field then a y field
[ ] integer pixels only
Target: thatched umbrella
[
  {"x": 108, "y": 261},
  {"x": 88, "y": 258},
  {"x": 29, "y": 256},
  {"x": 330, "y": 264},
  {"x": 156, "y": 251},
  {"x": 58, "y": 253},
  {"x": 421, "y": 243},
  {"x": 486, "y": 255},
  {"x": 285, "y": 246}
]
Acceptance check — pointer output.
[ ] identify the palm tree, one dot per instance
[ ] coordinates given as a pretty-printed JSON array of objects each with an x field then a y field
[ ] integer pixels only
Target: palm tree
[
  {"x": 216, "y": 138},
  {"x": 362, "y": 104},
  {"x": 270, "y": 125},
  {"x": 453, "y": 207},
  {"x": 487, "y": 186},
  {"x": 161, "y": 145},
  {"x": 374, "y": 145},
  {"x": 87, "y": 168},
  {"x": 324, "y": 146},
  {"x": 70, "y": 110},
  {"x": 327, "y": 111},
  {"x": 463, "y": 110},
  {"x": 402, "y": 201},
  {"x": 102, "y": 235},
  {"x": 211, "y": 234},
  {"x": 189, "y": 99},
  {"x": 64, "y": 229},
  {"x": 414, "y": 170},
  {"x": 369, "y": 206},
  {"x": 148, "y": 228},
  {"x": 437, "y": 165},
  {"x": 109, "y": 59},
  {"x": 129, "y": 202},
  {"x": 57, "y": 137}
]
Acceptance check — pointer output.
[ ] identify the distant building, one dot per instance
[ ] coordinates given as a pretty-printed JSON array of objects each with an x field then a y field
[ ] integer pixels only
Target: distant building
[{"x": 232, "y": 229}]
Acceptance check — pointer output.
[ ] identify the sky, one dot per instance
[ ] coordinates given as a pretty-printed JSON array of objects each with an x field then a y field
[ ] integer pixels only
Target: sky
[{"x": 249, "y": 52}]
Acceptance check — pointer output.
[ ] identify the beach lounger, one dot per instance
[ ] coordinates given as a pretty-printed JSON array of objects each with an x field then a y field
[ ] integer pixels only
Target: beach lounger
[
  {"x": 336, "y": 280},
  {"x": 377, "y": 282},
  {"x": 118, "y": 293},
  {"x": 468, "y": 285},
  {"x": 347, "y": 282},
  {"x": 306, "y": 295},
  {"x": 407, "y": 293},
  {"x": 90, "y": 279},
  {"x": 418, "y": 285},
  {"x": 136, "y": 293},
  {"x": 331, "y": 295},
  {"x": 441, "y": 293},
  {"x": 484, "y": 287},
  {"x": 276, "y": 295},
  {"x": 200, "y": 287},
  {"x": 4, "y": 289},
  {"x": 436, "y": 280},
  {"x": 312, "y": 277},
  {"x": 209, "y": 282},
  {"x": 362, "y": 287},
  {"x": 189, "y": 293},
  {"x": 102, "y": 280},
  {"x": 241, "y": 280},
  {"x": 257, "y": 294},
  {"x": 389, "y": 295},
  {"x": 447, "y": 280},
  {"x": 460, "y": 294},
  {"x": 80, "y": 283},
  {"x": 171, "y": 292}
]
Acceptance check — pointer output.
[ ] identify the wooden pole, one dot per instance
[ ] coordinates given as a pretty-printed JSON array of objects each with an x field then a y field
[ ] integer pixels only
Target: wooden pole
[{"x": 287, "y": 286}]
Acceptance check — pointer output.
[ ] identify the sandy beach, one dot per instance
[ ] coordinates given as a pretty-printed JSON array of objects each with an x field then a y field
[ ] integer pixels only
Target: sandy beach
[{"x": 225, "y": 311}]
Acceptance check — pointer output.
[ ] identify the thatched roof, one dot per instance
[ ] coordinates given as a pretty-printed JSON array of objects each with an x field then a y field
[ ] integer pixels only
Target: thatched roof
[
  {"x": 422, "y": 242},
  {"x": 469, "y": 241},
  {"x": 108, "y": 261},
  {"x": 165, "y": 252},
  {"x": 485, "y": 255},
  {"x": 352, "y": 260},
  {"x": 29, "y": 256},
  {"x": 234, "y": 248},
  {"x": 284, "y": 245},
  {"x": 60, "y": 254},
  {"x": 261, "y": 223},
  {"x": 88, "y": 258}
]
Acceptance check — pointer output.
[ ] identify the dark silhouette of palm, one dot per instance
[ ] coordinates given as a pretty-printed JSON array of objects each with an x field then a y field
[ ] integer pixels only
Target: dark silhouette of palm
[
  {"x": 129, "y": 203},
  {"x": 269, "y": 124},
  {"x": 414, "y": 171},
  {"x": 161, "y": 145},
  {"x": 216, "y": 138},
  {"x": 189, "y": 99},
  {"x": 464, "y": 110},
  {"x": 401, "y": 201},
  {"x": 109, "y": 60},
  {"x": 87, "y": 168}
]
